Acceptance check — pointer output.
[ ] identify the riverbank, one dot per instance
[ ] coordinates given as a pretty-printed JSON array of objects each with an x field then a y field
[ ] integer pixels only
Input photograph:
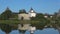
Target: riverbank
[
  {"x": 17, "y": 21},
  {"x": 36, "y": 23}
]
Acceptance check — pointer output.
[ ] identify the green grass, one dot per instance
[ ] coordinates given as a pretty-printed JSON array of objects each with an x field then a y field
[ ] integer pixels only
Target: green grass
[
  {"x": 17, "y": 21},
  {"x": 9, "y": 21}
]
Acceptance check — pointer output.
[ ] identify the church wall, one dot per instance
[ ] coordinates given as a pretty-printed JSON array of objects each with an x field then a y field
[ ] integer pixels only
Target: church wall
[
  {"x": 32, "y": 14},
  {"x": 25, "y": 16}
]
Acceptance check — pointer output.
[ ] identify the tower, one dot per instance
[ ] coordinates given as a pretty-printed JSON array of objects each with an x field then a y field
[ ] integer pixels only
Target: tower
[{"x": 32, "y": 13}]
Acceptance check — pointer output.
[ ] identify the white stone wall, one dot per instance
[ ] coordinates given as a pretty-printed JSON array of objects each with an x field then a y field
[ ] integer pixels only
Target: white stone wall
[
  {"x": 32, "y": 14},
  {"x": 25, "y": 16}
]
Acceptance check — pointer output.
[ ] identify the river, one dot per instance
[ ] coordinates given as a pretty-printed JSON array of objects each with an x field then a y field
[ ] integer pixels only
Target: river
[{"x": 44, "y": 31}]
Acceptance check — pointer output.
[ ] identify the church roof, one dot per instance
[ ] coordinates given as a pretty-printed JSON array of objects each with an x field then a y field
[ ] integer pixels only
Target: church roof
[{"x": 32, "y": 11}]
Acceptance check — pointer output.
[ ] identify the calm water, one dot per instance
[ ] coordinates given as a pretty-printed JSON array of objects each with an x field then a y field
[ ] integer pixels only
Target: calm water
[{"x": 44, "y": 31}]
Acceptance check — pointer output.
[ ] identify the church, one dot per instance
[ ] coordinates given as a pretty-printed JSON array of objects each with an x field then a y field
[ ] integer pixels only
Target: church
[{"x": 27, "y": 16}]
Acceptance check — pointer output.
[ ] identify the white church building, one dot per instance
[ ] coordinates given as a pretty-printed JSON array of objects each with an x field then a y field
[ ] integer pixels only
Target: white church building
[{"x": 27, "y": 16}]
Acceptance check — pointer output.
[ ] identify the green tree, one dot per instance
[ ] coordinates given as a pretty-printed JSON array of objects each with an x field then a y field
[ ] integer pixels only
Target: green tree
[
  {"x": 39, "y": 16},
  {"x": 22, "y": 11},
  {"x": 6, "y": 14}
]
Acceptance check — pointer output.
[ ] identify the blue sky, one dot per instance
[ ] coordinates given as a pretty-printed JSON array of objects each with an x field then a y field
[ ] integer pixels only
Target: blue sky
[{"x": 40, "y": 6}]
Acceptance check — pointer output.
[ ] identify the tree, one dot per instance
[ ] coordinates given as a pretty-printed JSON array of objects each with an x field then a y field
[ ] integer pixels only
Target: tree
[
  {"x": 22, "y": 11},
  {"x": 39, "y": 16},
  {"x": 6, "y": 14}
]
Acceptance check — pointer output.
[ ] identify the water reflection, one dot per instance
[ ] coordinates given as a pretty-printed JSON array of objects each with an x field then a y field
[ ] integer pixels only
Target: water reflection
[
  {"x": 22, "y": 31},
  {"x": 14, "y": 32},
  {"x": 12, "y": 29},
  {"x": 47, "y": 31},
  {"x": 1, "y": 32},
  {"x": 44, "y": 31},
  {"x": 6, "y": 28}
]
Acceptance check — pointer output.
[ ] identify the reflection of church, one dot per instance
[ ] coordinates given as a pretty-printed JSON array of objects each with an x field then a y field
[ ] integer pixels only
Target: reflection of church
[{"x": 26, "y": 16}]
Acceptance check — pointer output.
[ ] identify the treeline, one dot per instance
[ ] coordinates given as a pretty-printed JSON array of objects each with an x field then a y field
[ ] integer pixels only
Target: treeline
[{"x": 8, "y": 14}]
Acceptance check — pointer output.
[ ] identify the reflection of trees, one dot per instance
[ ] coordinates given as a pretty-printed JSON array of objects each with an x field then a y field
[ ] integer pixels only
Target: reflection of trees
[
  {"x": 14, "y": 27},
  {"x": 42, "y": 22},
  {"x": 22, "y": 31},
  {"x": 6, "y": 28},
  {"x": 38, "y": 25}
]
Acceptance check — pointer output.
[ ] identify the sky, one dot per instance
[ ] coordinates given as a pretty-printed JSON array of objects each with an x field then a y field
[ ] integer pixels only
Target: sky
[{"x": 39, "y": 6}]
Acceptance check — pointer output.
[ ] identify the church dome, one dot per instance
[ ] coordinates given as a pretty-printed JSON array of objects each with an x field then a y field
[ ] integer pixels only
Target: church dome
[{"x": 32, "y": 11}]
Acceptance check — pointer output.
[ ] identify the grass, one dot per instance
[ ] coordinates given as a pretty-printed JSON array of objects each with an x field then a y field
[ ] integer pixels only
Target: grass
[
  {"x": 9, "y": 21},
  {"x": 17, "y": 21}
]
